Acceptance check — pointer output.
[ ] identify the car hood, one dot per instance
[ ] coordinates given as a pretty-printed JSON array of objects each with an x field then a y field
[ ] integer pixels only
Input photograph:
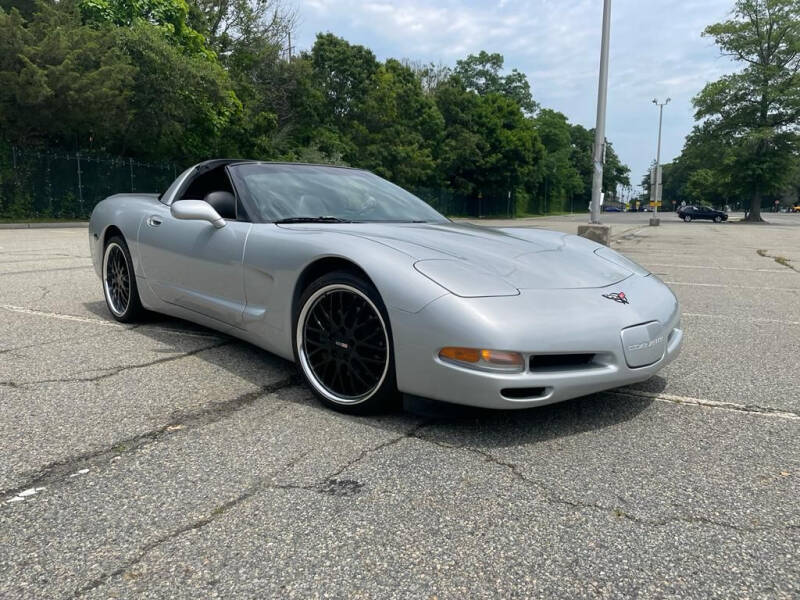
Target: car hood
[{"x": 524, "y": 258}]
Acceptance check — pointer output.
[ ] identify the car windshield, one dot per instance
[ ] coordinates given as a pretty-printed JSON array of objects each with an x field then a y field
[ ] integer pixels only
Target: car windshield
[{"x": 299, "y": 193}]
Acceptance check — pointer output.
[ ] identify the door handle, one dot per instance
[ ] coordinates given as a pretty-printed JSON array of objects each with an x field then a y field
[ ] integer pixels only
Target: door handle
[{"x": 154, "y": 221}]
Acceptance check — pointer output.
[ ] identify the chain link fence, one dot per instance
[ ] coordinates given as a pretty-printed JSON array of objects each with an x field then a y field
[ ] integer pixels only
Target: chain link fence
[
  {"x": 37, "y": 184},
  {"x": 53, "y": 184},
  {"x": 455, "y": 204}
]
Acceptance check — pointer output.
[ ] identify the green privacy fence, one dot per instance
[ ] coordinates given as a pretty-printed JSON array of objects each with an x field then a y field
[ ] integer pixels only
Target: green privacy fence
[
  {"x": 36, "y": 184},
  {"x": 57, "y": 184}
]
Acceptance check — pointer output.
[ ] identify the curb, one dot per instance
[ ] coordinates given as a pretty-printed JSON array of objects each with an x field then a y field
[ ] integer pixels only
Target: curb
[{"x": 64, "y": 225}]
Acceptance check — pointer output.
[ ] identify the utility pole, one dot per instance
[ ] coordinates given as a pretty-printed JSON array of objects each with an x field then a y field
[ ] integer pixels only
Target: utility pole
[
  {"x": 654, "y": 221},
  {"x": 594, "y": 230}
]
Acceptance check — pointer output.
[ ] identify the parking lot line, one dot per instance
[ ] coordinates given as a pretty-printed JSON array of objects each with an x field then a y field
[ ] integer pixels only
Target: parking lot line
[
  {"x": 736, "y": 287},
  {"x": 738, "y": 318},
  {"x": 63, "y": 317},
  {"x": 675, "y": 399},
  {"x": 716, "y": 268}
]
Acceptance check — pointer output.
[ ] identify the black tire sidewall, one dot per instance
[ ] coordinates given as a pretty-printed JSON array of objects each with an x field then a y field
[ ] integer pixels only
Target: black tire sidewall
[
  {"x": 134, "y": 309},
  {"x": 386, "y": 396}
]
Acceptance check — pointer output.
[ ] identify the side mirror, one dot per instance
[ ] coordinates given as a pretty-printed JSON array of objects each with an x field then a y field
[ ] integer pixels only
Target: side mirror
[{"x": 196, "y": 210}]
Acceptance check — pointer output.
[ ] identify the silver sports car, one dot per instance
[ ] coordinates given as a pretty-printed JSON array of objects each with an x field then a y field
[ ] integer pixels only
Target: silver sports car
[{"x": 372, "y": 292}]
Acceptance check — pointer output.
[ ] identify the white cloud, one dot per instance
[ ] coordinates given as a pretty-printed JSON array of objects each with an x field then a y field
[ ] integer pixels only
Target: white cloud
[{"x": 656, "y": 50}]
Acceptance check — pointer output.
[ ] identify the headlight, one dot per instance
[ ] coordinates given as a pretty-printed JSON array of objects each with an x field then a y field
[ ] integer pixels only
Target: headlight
[
  {"x": 489, "y": 360},
  {"x": 464, "y": 280},
  {"x": 617, "y": 258}
]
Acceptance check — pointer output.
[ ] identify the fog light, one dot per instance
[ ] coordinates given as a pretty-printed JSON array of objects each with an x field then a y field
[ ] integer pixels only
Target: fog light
[{"x": 493, "y": 360}]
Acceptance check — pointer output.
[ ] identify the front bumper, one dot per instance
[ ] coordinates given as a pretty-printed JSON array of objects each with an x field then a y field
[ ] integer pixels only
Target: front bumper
[{"x": 538, "y": 322}]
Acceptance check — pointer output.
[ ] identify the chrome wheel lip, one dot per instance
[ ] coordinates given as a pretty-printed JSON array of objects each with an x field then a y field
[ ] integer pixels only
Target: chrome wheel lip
[
  {"x": 303, "y": 357},
  {"x": 112, "y": 305}
]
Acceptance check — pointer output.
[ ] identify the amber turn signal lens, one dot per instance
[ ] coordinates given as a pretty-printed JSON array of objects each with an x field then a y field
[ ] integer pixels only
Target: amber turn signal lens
[
  {"x": 497, "y": 360},
  {"x": 469, "y": 355}
]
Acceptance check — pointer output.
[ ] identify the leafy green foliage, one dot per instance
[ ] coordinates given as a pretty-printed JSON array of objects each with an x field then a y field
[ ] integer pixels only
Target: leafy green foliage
[
  {"x": 163, "y": 80},
  {"x": 481, "y": 73},
  {"x": 752, "y": 116}
]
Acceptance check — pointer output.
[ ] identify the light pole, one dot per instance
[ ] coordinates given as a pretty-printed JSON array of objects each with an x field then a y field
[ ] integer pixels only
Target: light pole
[
  {"x": 600, "y": 127},
  {"x": 595, "y": 231},
  {"x": 661, "y": 105}
]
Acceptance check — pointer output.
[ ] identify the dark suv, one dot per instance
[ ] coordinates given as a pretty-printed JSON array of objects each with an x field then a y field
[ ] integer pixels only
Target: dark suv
[{"x": 692, "y": 212}]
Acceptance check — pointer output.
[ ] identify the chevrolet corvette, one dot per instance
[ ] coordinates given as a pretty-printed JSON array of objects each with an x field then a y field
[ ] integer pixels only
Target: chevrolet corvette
[{"x": 375, "y": 294}]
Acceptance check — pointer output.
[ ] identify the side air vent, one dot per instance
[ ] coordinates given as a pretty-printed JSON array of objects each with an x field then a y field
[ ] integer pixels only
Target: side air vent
[{"x": 560, "y": 362}]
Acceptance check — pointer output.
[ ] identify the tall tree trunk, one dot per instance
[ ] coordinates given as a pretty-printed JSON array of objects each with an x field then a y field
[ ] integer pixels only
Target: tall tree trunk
[{"x": 755, "y": 208}]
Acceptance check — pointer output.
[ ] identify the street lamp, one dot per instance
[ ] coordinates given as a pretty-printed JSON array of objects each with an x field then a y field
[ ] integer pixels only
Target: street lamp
[{"x": 660, "y": 105}]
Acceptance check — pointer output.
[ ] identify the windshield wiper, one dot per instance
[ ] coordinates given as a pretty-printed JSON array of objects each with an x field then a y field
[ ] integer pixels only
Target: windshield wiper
[{"x": 312, "y": 220}]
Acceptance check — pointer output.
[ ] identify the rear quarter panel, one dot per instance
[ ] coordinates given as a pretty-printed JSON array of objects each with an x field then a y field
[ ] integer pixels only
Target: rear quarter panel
[{"x": 125, "y": 212}]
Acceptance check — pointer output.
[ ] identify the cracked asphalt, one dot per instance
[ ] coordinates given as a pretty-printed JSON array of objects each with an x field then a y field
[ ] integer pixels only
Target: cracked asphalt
[{"x": 166, "y": 460}]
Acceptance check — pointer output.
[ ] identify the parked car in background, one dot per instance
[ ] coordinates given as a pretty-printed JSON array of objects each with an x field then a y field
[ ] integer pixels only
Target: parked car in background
[
  {"x": 692, "y": 212},
  {"x": 612, "y": 209},
  {"x": 795, "y": 208}
]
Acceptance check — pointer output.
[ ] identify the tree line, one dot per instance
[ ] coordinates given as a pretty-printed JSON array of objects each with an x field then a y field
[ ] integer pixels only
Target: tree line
[
  {"x": 182, "y": 81},
  {"x": 745, "y": 148}
]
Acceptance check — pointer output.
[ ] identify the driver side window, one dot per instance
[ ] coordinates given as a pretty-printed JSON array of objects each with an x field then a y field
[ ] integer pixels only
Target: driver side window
[{"x": 215, "y": 188}]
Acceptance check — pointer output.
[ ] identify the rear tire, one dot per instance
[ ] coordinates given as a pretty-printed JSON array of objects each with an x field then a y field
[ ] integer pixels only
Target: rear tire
[
  {"x": 119, "y": 282},
  {"x": 343, "y": 344},
  {"x": 688, "y": 218}
]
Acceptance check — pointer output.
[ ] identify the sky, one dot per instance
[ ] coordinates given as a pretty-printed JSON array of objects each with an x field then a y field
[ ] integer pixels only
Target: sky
[{"x": 656, "y": 51}]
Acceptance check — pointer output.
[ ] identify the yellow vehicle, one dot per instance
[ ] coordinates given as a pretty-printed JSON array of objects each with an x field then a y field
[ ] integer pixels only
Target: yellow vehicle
[{"x": 795, "y": 208}]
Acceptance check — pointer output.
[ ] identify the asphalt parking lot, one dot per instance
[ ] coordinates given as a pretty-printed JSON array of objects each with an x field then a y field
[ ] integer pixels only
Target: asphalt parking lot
[{"x": 165, "y": 460}]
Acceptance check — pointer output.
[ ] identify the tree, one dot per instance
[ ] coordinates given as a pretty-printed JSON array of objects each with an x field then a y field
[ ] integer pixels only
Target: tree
[
  {"x": 61, "y": 83},
  {"x": 236, "y": 26},
  {"x": 561, "y": 180},
  {"x": 701, "y": 186},
  {"x": 168, "y": 15},
  {"x": 481, "y": 74},
  {"x": 182, "y": 106},
  {"x": 756, "y": 111},
  {"x": 489, "y": 147},
  {"x": 615, "y": 172},
  {"x": 397, "y": 128}
]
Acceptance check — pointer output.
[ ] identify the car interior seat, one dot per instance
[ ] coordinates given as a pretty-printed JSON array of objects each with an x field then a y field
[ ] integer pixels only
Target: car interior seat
[{"x": 223, "y": 202}]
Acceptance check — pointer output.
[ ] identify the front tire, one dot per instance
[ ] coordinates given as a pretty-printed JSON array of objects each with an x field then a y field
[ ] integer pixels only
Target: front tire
[
  {"x": 688, "y": 218},
  {"x": 119, "y": 282},
  {"x": 717, "y": 219},
  {"x": 343, "y": 344}
]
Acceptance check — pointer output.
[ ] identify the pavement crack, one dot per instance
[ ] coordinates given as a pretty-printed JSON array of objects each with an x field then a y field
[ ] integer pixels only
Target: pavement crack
[
  {"x": 199, "y": 523},
  {"x": 781, "y": 260},
  {"x": 113, "y": 371},
  {"x": 333, "y": 484},
  {"x": 411, "y": 433},
  {"x": 56, "y": 341},
  {"x": 60, "y": 471},
  {"x": 215, "y": 514},
  {"x": 554, "y": 499}
]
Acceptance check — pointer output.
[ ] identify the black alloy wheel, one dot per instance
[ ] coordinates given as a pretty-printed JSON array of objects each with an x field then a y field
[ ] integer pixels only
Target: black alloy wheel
[
  {"x": 343, "y": 344},
  {"x": 119, "y": 282}
]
